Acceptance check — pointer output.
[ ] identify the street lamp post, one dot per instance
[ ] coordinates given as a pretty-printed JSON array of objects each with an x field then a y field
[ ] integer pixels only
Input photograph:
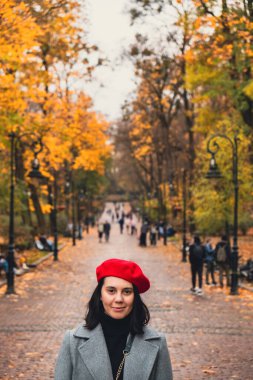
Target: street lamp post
[
  {"x": 55, "y": 217},
  {"x": 184, "y": 229},
  {"x": 79, "y": 198},
  {"x": 36, "y": 146},
  {"x": 73, "y": 209},
  {"x": 215, "y": 173}
]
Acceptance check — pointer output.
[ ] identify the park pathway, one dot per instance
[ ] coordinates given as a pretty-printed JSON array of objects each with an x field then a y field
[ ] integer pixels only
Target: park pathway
[{"x": 209, "y": 337}]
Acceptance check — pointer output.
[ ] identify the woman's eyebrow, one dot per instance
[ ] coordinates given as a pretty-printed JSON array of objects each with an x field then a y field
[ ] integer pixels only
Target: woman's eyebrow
[{"x": 114, "y": 287}]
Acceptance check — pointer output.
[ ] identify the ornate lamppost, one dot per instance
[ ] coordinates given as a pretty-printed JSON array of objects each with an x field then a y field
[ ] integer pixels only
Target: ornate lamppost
[
  {"x": 35, "y": 144},
  {"x": 79, "y": 216},
  {"x": 184, "y": 229},
  {"x": 214, "y": 172},
  {"x": 55, "y": 215},
  {"x": 72, "y": 182}
]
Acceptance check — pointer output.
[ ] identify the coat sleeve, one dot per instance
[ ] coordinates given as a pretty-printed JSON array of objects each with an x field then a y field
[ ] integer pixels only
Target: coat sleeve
[
  {"x": 163, "y": 368},
  {"x": 64, "y": 366}
]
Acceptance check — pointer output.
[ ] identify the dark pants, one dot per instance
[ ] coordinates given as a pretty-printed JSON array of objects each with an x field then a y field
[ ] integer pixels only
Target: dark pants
[
  {"x": 153, "y": 238},
  {"x": 224, "y": 268},
  {"x": 210, "y": 270},
  {"x": 100, "y": 235},
  {"x": 143, "y": 239},
  {"x": 197, "y": 270}
]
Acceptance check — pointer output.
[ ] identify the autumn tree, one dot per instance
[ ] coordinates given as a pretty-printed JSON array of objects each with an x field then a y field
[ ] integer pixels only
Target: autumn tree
[
  {"x": 155, "y": 142},
  {"x": 215, "y": 56},
  {"x": 39, "y": 61},
  {"x": 219, "y": 73}
]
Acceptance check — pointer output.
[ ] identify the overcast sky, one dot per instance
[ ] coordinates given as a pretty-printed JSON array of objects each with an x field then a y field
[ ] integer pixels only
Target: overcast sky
[{"x": 110, "y": 29}]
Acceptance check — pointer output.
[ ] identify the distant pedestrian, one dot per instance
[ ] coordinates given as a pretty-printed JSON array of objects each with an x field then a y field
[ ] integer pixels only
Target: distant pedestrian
[
  {"x": 100, "y": 231},
  {"x": 196, "y": 257},
  {"x": 153, "y": 234},
  {"x": 223, "y": 258},
  {"x": 160, "y": 229},
  {"x": 115, "y": 342},
  {"x": 127, "y": 224},
  {"x": 143, "y": 234},
  {"x": 121, "y": 224},
  {"x": 133, "y": 226},
  {"x": 87, "y": 223},
  {"x": 210, "y": 262},
  {"x": 107, "y": 229}
]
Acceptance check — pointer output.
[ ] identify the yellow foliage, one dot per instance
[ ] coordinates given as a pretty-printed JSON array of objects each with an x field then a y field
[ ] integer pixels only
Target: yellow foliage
[
  {"x": 248, "y": 89},
  {"x": 41, "y": 43}
]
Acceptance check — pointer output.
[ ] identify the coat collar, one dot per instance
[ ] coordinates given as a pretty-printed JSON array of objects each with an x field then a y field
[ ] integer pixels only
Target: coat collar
[
  {"x": 82, "y": 332},
  {"x": 138, "y": 364}
]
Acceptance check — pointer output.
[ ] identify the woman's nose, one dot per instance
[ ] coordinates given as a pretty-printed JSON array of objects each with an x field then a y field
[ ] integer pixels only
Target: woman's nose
[{"x": 119, "y": 297}]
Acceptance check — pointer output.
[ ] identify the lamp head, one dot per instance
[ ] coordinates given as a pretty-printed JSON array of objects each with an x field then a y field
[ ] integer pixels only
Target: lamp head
[
  {"x": 35, "y": 173},
  {"x": 214, "y": 171}
]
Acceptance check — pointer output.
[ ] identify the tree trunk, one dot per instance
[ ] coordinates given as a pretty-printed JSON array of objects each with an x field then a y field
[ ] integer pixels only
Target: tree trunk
[
  {"x": 51, "y": 214},
  {"x": 38, "y": 210},
  {"x": 20, "y": 176}
]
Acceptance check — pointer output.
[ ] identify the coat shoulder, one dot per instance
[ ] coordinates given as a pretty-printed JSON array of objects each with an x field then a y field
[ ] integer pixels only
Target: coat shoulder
[
  {"x": 150, "y": 333},
  {"x": 81, "y": 331}
]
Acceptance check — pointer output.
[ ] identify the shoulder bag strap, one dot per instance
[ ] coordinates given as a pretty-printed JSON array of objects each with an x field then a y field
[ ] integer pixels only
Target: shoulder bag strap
[{"x": 126, "y": 352}]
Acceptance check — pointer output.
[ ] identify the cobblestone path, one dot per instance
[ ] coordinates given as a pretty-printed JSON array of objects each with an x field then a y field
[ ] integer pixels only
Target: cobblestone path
[{"x": 209, "y": 337}]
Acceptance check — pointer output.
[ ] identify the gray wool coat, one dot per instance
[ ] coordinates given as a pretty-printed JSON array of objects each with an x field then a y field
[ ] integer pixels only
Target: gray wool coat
[{"x": 84, "y": 356}]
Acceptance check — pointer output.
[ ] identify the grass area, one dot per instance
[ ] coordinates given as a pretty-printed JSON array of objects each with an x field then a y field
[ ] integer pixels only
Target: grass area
[{"x": 34, "y": 255}]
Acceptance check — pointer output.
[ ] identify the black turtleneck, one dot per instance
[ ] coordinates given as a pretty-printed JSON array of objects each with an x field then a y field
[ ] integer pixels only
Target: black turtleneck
[{"x": 115, "y": 333}]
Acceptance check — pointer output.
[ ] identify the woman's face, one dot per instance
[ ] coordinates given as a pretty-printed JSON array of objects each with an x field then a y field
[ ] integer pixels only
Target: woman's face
[{"x": 117, "y": 296}]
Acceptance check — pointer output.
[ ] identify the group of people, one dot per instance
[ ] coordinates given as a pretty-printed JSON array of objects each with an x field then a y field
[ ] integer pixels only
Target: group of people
[
  {"x": 20, "y": 265},
  {"x": 129, "y": 221},
  {"x": 104, "y": 229},
  {"x": 218, "y": 257},
  {"x": 156, "y": 231}
]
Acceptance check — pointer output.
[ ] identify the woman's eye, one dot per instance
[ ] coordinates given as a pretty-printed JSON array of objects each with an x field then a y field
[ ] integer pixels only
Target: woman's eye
[
  {"x": 111, "y": 291},
  {"x": 127, "y": 291}
]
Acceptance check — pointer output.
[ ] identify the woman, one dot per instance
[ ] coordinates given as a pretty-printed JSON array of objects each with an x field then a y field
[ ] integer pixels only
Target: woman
[{"x": 115, "y": 343}]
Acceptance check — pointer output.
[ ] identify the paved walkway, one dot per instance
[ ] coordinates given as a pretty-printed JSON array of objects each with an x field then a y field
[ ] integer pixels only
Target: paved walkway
[{"x": 209, "y": 337}]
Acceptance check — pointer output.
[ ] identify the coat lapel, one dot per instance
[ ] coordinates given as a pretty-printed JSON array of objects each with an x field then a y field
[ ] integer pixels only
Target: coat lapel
[
  {"x": 139, "y": 363},
  {"x": 94, "y": 353}
]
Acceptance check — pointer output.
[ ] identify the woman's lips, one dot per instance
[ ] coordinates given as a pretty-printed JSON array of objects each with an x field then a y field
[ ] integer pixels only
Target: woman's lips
[{"x": 118, "y": 308}]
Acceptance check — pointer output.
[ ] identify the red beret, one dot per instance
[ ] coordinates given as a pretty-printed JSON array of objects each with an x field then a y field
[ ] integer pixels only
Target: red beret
[{"x": 128, "y": 270}]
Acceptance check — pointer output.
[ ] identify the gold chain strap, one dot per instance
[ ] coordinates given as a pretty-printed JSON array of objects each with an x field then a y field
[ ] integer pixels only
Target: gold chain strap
[
  {"x": 126, "y": 352},
  {"x": 121, "y": 365}
]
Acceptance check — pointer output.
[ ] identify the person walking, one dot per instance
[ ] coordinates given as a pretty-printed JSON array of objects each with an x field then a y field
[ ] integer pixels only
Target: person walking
[
  {"x": 100, "y": 231},
  {"x": 196, "y": 257},
  {"x": 143, "y": 234},
  {"x": 223, "y": 258},
  {"x": 210, "y": 261},
  {"x": 115, "y": 342},
  {"x": 107, "y": 229},
  {"x": 121, "y": 224},
  {"x": 153, "y": 234},
  {"x": 133, "y": 225}
]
